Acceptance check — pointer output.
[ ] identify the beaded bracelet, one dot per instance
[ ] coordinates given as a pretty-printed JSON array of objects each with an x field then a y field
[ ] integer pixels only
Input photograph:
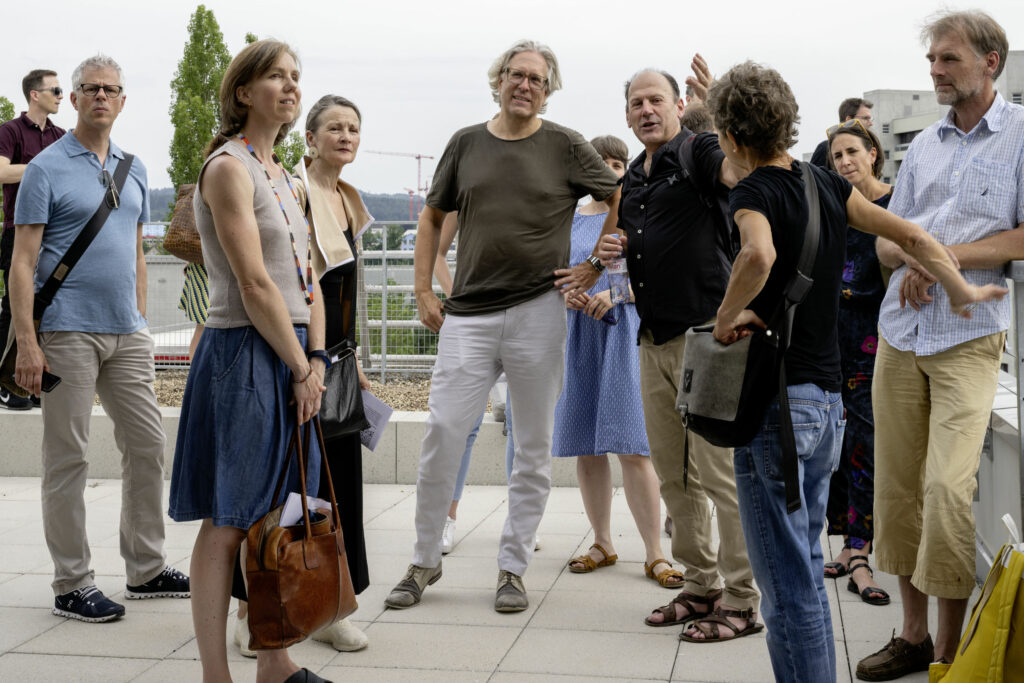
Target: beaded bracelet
[{"x": 303, "y": 380}]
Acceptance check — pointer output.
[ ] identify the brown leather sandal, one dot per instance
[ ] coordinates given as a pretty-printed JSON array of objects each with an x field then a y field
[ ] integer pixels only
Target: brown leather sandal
[
  {"x": 708, "y": 625},
  {"x": 663, "y": 577},
  {"x": 588, "y": 562},
  {"x": 689, "y": 601}
]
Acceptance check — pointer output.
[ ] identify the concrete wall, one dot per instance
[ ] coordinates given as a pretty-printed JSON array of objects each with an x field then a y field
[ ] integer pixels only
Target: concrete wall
[{"x": 394, "y": 462}]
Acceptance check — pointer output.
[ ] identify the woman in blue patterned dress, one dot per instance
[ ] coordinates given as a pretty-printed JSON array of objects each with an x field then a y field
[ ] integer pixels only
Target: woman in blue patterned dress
[
  {"x": 857, "y": 155},
  {"x": 600, "y": 411}
]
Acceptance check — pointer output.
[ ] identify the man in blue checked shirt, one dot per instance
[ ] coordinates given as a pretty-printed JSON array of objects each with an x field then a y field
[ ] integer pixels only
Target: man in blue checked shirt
[{"x": 935, "y": 374}]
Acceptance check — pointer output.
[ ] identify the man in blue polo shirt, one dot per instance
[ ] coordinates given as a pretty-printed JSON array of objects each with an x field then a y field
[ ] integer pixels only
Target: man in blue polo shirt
[
  {"x": 94, "y": 337},
  {"x": 21, "y": 139}
]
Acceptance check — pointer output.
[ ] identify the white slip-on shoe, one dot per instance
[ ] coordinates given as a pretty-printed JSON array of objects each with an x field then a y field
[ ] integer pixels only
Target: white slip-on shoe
[
  {"x": 242, "y": 637},
  {"x": 448, "y": 536},
  {"x": 343, "y": 635}
]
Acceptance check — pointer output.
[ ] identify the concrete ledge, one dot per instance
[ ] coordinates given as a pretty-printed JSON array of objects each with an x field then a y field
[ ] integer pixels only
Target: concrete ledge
[{"x": 395, "y": 461}]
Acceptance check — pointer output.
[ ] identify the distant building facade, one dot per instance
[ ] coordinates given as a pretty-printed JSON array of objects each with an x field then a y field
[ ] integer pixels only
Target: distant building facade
[{"x": 899, "y": 116}]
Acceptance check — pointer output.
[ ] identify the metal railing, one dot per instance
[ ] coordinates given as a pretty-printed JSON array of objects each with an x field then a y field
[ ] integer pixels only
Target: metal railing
[{"x": 388, "y": 331}]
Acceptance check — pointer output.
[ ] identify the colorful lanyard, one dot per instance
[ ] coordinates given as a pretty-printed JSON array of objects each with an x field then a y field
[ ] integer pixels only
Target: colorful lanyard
[{"x": 306, "y": 285}]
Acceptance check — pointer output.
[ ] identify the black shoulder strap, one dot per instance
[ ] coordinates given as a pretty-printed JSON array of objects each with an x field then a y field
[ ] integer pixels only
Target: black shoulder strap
[
  {"x": 714, "y": 201},
  {"x": 795, "y": 293},
  {"x": 44, "y": 297}
]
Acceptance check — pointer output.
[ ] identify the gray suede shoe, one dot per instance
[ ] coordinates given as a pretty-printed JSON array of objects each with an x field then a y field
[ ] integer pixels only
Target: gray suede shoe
[
  {"x": 410, "y": 589},
  {"x": 511, "y": 595}
]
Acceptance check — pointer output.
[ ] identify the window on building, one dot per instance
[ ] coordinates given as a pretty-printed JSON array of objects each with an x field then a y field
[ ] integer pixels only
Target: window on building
[
  {"x": 886, "y": 180},
  {"x": 886, "y": 154},
  {"x": 1017, "y": 98},
  {"x": 917, "y": 97},
  {"x": 885, "y": 127}
]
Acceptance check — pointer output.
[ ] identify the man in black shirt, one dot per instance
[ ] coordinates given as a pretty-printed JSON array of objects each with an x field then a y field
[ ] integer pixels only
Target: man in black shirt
[{"x": 679, "y": 255}]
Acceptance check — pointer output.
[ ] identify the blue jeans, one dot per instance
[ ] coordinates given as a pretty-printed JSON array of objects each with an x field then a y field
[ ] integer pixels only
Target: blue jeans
[
  {"x": 785, "y": 550},
  {"x": 460, "y": 480}
]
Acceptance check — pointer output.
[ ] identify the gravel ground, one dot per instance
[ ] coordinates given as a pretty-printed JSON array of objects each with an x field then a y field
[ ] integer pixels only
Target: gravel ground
[{"x": 404, "y": 393}]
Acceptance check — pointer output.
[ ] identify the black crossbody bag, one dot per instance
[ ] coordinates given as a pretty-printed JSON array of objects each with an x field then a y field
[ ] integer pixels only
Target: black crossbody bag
[
  {"x": 724, "y": 390},
  {"x": 44, "y": 297}
]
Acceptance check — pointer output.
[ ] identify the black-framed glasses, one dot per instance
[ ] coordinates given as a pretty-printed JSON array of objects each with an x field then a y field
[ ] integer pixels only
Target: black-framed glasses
[
  {"x": 56, "y": 90},
  {"x": 91, "y": 89},
  {"x": 516, "y": 76},
  {"x": 850, "y": 123},
  {"x": 113, "y": 197}
]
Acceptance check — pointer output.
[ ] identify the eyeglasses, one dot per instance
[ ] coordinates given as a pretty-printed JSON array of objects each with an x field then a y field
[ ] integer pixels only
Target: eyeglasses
[
  {"x": 516, "y": 77},
  {"x": 113, "y": 197},
  {"x": 91, "y": 89},
  {"x": 56, "y": 90},
  {"x": 851, "y": 123}
]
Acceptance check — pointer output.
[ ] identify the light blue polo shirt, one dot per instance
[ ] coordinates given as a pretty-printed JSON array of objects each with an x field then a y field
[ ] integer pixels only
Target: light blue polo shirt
[{"x": 61, "y": 188}]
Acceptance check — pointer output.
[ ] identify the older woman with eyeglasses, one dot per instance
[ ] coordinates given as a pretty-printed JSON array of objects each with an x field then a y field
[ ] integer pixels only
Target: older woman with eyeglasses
[{"x": 856, "y": 154}]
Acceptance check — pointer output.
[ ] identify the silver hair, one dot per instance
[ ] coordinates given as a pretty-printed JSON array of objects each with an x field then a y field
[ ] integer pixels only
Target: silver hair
[
  {"x": 96, "y": 62},
  {"x": 501, "y": 63}
]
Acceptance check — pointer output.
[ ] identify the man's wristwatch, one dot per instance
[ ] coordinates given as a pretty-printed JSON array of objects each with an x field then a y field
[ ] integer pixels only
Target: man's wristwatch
[
  {"x": 322, "y": 355},
  {"x": 596, "y": 263}
]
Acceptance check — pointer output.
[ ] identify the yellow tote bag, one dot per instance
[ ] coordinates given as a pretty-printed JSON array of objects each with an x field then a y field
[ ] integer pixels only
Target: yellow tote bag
[{"x": 992, "y": 648}]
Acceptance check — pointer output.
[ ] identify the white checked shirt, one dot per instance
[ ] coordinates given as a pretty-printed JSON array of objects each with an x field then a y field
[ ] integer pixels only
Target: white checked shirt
[{"x": 960, "y": 187}]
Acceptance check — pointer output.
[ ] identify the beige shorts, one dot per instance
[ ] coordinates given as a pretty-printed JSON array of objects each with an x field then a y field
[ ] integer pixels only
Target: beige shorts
[{"x": 931, "y": 413}]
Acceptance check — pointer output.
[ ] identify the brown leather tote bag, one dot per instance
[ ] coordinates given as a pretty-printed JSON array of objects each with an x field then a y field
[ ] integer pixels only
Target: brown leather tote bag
[
  {"x": 182, "y": 237},
  {"x": 298, "y": 577}
]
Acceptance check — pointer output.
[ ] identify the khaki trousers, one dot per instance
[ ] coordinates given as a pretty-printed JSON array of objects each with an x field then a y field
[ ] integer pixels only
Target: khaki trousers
[
  {"x": 118, "y": 367},
  {"x": 710, "y": 476},
  {"x": 931, "y": 413}
]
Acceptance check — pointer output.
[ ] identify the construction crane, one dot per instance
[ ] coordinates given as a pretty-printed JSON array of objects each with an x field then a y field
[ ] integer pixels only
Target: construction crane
[{"x": 414, "y": 207}]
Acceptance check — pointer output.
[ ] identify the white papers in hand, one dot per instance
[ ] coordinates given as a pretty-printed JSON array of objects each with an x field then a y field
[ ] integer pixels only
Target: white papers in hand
[{"x": 378, "y": 414}]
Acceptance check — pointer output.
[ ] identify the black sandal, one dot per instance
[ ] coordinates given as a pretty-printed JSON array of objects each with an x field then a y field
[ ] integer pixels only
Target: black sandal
[
  {"x": 865, "y": 594},
  {"x": 840, "y": 568},
  {"x": 689, "y": 601}
]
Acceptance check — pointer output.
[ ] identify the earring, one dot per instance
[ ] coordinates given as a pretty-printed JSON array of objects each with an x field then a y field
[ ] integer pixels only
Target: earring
[{"x": 314, "y": 153}]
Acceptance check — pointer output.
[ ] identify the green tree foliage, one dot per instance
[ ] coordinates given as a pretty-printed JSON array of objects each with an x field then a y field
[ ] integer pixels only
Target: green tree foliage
[
  {"x": 291, "y": 149},
  {"x": 6, "y": 109},
  {"x": 250, "y": 38},
  {"x": 195, "y": 112},
  {"x": 372, "y": 239}
]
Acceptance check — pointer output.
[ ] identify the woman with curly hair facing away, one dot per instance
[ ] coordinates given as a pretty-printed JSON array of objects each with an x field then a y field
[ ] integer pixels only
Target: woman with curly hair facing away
[{"x": 756, "y": 115}]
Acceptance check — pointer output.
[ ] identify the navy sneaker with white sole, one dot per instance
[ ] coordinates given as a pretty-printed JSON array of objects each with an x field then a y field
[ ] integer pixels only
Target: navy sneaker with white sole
[
  {"x": 13, "y": 402},
  {"x": 87, "y": 604},
  {"x": 170, "y": 583}
]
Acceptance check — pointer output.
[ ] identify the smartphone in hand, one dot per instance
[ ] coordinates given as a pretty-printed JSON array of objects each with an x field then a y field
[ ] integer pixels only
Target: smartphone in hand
[{"x": 50, "y": 381}]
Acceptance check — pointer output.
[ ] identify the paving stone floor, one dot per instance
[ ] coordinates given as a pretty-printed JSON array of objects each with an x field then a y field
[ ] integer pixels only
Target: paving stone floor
[{"x": 578, "y": 627}]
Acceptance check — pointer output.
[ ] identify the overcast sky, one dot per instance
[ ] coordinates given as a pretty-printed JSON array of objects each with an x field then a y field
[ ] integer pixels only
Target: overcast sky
[{"x": 417, "y": 70}]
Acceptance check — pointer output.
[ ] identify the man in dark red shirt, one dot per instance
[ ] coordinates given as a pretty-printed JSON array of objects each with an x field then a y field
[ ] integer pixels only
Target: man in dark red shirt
[{"x": 21, "y": 139}]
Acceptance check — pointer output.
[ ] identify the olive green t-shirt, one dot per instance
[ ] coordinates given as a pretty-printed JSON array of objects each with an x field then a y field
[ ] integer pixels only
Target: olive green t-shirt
[{"x": 515, "y": 200}]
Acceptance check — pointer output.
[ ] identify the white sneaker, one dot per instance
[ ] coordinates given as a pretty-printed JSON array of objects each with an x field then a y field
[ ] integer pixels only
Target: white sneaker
[
  {"x": 448, "y": 536},
  {"x": 343, "y": 636},
  {"x": 536, "y": 543},
  {"x": 242, "y": 637}
]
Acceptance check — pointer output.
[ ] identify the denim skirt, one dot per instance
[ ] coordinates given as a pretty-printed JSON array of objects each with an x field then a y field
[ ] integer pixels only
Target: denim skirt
[{"x": 234, "y": 430}]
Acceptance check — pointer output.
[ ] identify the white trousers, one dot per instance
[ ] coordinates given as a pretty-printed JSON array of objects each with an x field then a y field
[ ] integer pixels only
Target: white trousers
[{"x": 527, "y": 342}]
